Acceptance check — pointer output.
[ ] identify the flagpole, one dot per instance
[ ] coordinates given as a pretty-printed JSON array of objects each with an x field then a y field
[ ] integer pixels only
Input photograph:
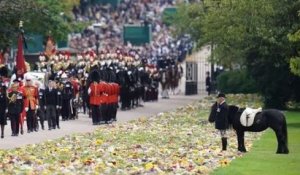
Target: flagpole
[{"x": 20, "y": 60}]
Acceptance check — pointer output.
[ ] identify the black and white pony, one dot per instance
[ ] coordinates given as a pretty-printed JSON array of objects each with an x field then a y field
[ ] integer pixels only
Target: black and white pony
[
  {"x": 262, "y": 120},
  {"x": 259, "y": 120}
]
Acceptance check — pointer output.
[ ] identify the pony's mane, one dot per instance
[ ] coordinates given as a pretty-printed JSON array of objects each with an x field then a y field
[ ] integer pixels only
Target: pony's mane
[{"x": 233, "y": 111}]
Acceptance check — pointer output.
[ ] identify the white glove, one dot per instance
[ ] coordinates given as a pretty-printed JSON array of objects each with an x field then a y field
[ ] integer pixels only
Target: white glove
[
  {"x": 6, "y": 111},
  {"x": 45, "y": 107},
  {"x": 26, "y": 109},
  {"x": 37, "y": 106},
  {"x": 57, "y": 107}
]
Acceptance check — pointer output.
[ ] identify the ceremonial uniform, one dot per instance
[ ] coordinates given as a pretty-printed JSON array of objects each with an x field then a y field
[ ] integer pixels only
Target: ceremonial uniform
[
  {"x": 124, "y": 88},
  {"x": 31, "y": 101},
  {"x": 3, "y": 107},
  {"x": 51, "y": 101},
  {"x": 94, "y": 92},
  {"x": 42, "y": 107},
  {"x": 84, "y": 96},
  {"x": 15, "y": 107},
  {"x": 76, "y": 87},
  {"x": 67, "y": 95},
  {"x": 103, "y": 101},
  {"x": 59, "y": 104}
]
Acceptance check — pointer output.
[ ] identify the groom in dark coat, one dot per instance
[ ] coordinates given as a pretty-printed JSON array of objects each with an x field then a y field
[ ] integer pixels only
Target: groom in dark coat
[{"x": 219, "y": 115}]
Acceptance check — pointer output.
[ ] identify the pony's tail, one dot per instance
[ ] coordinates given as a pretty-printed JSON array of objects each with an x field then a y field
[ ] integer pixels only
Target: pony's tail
[{"x": 285, "y": 134}]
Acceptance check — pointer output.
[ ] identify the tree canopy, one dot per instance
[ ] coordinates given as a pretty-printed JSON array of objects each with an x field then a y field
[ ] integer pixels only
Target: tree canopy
[
  {"x": 39, "y": 16},
  {"x": 249, "y": 34}
]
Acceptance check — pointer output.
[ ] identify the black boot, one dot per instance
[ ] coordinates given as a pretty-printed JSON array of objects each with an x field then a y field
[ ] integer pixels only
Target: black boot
[{"x": 224, "y": 143}]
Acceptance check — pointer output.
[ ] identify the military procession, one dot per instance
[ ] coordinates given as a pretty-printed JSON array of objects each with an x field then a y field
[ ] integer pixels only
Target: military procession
[
  {"x": 94, "y": 84},
  {"x": 95, "y": 79}
]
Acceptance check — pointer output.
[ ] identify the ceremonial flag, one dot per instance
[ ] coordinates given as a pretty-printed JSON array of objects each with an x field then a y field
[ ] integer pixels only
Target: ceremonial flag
[{"x": 20, "y": 60}]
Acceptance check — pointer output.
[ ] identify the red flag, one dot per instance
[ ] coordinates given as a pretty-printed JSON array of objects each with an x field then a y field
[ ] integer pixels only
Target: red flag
[
  {"x": 1, "y": 58},
  {"x": 20, "y": 61}
]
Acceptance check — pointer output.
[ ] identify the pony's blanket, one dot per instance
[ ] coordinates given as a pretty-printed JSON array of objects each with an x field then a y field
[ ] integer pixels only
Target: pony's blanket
[{"x": 247, "y": 117}]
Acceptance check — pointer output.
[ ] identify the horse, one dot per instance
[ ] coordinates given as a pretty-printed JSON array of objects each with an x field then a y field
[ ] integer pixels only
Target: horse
[
  {"x": 272, "y": 118},
  {"x": 165, "y": 82},
  {"x": 174, "y": 78}
]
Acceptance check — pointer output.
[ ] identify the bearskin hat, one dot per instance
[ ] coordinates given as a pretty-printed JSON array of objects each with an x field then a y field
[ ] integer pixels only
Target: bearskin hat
[
  {"x": 94, "y": 75},
  {"x": 3, "y": 70}
]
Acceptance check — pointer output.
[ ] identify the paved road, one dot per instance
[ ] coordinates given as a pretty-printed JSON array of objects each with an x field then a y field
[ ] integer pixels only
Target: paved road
[{"x": 84, "y": 124}]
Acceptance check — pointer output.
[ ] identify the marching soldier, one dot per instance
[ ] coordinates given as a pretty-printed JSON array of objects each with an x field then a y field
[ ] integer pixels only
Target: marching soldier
[
  {"x": 103, "y": 101},
  {"x": 3, "y": 107},
  {"x": 154, "y": 85},
  {"x": 84, "y": 95},
  {"x": 67, "y": 95},
  {"x": 94, "y": 92},
  {"x": 75, "y": 86},
  {"x": 31, "y": 104},
  {"x": 15, "y": 107},
  {"x": 23, "y": 113},
  {"x": 41, "y": 111},
  {"x": 51, "y": 102},
  {"x": 59, "y": 88}
]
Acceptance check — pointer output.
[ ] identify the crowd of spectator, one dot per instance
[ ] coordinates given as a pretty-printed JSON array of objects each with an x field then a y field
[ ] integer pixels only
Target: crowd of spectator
[{"x": 107, "y": 21}]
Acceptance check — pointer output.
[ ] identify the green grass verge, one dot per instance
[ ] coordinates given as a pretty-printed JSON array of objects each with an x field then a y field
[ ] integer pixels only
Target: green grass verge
[{"x": 262, "y": 158}]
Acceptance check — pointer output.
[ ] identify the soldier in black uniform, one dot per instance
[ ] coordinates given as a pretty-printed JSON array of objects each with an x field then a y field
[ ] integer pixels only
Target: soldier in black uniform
[
  {"x": 145, "y": 81},
  {"x": 58, "y": 88},
  {"x": 140, "y": 86},
  {"x": 67, "y": 95},
  {"x": 131, "y": 83},
  {"x": 51, "y": 105},
  {"x": 15, "y": 107},
  {"x": 83, "y": 95},
  {"x": 41, "y": 112},
  {"x": 3, "y": 107},
  {"x": 124, "y": 92}
]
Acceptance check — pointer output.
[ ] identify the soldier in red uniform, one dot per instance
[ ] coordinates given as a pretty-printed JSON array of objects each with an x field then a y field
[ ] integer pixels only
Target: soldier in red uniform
[
  {"x": 103, "y": 101},
  {"x": 31, "y": 104},
  {"x": 94, "y": 92}
]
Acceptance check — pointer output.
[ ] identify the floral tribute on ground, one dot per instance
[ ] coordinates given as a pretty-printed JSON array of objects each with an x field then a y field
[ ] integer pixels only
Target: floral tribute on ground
[{"x": 177, "y": 142}]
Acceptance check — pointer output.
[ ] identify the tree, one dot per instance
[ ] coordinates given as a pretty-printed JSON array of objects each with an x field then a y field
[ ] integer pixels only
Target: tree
[
  {"x": 248, "y": 34},
  {"x": 295, "y": 60},
  {"x": 39, "y": 16}
]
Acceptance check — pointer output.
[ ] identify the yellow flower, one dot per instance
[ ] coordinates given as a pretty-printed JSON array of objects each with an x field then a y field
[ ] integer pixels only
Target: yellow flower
[
  {"x": 184, "y": 163},
  {"x": 99, "y": 142},
  {"x": 224, "y": 162},
  {"x": 46, "y": 172},
  {"x": 199, "y": 161},
  {"x": 149, "y": 166}
]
